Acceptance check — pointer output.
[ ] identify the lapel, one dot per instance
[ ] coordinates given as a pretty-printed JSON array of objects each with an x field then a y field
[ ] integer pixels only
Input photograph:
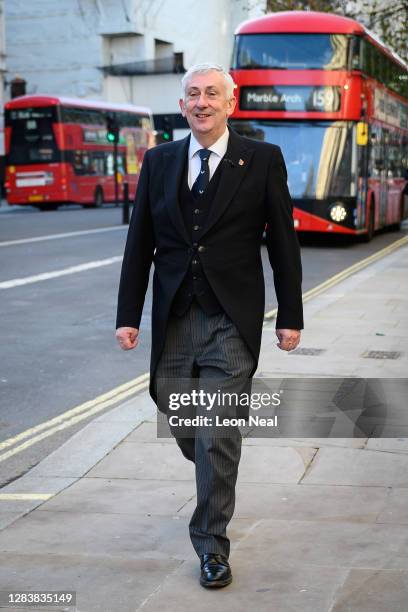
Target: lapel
[
  {"x": 235, "y": 162},
  {"x": 173, "y": 167}
]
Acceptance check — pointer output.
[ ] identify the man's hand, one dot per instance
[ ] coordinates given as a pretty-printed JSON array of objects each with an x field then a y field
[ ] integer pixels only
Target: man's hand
[
  {"x": 127, "y": 337},
  {"x": 288, "y": 339}
]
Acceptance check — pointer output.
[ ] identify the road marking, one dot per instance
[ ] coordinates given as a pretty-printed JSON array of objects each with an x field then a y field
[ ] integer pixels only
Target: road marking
[
  {"x": 111, "y": 394},
  {"x": 36, "y": 278},
  {"x": 81, "y": 412},
  {"x": 25, "y": 496},
  {"x": 337, "y": 278},
  {"x": 65, "y": 235}
]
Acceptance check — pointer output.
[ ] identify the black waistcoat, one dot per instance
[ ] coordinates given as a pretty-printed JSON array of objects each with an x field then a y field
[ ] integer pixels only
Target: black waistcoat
[{"x": 195, "y": 212}]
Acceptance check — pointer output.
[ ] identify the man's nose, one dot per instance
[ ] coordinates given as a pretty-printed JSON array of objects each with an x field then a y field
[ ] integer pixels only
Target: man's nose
[{"x": 202, "y": 100}]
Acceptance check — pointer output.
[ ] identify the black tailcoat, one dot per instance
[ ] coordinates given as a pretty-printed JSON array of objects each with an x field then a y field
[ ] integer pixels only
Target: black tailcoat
[{"x": 252, "y": 191}]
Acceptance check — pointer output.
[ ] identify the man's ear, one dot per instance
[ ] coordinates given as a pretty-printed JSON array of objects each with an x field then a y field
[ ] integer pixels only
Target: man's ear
[
  {"x": 182, "y": 107},
  {"x": 231, "y": 105}
]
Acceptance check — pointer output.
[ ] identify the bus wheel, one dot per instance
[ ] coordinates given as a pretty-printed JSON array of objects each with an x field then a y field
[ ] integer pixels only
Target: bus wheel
[
  {"x": 45, "y": 207},
  {"x": 98, "y": 198},
  {"x": 370, "y": 230},
  {"x": 395, "y": 227}
]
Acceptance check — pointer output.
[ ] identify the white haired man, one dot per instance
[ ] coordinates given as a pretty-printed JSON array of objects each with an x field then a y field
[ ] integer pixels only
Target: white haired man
[{"x": 201, "y": 207}]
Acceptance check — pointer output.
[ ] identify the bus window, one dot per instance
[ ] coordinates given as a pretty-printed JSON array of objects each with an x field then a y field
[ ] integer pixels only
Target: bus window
[
  {"x": 109, "y": 168},
  {"x": 376, "y": 156},
  {"x": 290, "y": 51},
  {"x": 32, "y": 136}
]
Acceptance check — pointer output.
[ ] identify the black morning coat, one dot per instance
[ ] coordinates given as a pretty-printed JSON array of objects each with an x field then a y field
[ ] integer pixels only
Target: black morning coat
[{"x": 252, "y": 191}]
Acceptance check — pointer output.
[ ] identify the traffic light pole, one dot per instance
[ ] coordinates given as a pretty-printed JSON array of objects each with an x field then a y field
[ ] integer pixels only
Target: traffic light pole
[
  {"x": 115, "y": 170},
  {"x": 112, "y": 134}
]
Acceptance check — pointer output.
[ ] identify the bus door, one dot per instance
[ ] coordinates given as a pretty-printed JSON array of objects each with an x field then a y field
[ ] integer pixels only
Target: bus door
[{"x": 378, "y": 171}]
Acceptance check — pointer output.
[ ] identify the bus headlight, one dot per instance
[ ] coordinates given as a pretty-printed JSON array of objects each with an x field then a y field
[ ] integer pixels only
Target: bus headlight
[{"x": 338, "y": 212}]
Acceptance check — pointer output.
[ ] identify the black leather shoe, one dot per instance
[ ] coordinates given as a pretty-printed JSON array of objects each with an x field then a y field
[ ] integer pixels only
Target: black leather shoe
[{"x": 215, "y": 571}]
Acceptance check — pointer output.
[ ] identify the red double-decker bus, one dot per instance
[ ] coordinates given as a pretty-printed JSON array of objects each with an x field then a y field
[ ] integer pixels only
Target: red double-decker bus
[
  {"x": 335, "y": 99},
  {"x": 57, "y": 150}
]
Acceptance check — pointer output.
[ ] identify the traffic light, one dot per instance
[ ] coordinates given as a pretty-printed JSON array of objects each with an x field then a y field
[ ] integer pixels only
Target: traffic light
[
  {"x": 167, "y": 128},
  {"x": 17, "y": 87},
  {"x": 112, "y": 129}
]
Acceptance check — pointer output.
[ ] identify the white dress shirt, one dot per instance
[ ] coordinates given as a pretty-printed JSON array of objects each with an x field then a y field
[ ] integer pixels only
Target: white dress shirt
[{"x": 218, "y": 150}]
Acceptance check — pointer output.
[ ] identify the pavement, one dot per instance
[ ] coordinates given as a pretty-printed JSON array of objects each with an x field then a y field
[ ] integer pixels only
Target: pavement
[{"x": 320, "y": 525}]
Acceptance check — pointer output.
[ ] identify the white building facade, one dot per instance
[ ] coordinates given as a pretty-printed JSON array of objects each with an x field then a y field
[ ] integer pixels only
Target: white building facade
[
  {"x": 131, "y": 51},
  {"x": 2, "y": 76}
]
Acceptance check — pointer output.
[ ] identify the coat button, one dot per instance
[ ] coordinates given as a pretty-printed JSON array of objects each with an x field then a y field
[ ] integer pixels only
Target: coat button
[
  {"x": 201, "y": 249},
  {"x": 197, "y": 211},
  {"x": 196, "y": 227},
  {"x": 195, "y": 261},
  {"x": 195, "y": 244}
]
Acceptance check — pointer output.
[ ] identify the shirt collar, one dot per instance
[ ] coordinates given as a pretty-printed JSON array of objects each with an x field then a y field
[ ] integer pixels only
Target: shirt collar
[{"x": 219, "y": 147}]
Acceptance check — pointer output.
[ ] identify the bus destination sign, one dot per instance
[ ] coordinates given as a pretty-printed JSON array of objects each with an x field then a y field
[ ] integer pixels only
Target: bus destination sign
[{"x": 291, "y": 98}]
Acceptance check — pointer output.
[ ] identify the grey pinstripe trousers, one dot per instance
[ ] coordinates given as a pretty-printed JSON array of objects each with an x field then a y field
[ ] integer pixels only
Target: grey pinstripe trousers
[{"x": 205, "y": 346}]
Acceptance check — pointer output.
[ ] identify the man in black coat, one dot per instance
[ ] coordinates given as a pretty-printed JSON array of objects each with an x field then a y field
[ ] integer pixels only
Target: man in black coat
[{"x": 200, "y": 212}]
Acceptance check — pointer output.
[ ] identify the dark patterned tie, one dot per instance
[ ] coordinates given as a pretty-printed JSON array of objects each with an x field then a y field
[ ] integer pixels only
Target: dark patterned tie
[{"x": 203, "y": 177}]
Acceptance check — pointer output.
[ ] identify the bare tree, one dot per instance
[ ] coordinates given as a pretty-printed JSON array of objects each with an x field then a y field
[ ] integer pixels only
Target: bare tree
[{"x": 389, "y": 20}]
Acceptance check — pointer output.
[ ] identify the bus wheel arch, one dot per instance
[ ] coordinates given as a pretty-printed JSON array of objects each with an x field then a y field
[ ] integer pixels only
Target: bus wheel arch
[{"x": 395, "y": 227}]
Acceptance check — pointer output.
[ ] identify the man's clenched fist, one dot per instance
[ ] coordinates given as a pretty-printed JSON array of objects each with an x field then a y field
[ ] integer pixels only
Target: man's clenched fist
[
  {"x": 288, "y": 339},
  {"x": 127, "y": 337}
]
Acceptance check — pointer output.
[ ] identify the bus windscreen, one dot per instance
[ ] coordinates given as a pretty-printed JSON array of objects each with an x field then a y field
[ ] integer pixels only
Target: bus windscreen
[
  {"x": 319, "y": 155},
  {"x": 32, "y": 137}
]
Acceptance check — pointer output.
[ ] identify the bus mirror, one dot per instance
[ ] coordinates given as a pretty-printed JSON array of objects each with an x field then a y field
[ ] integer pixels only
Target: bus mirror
[{"x": 362, "y": 133}]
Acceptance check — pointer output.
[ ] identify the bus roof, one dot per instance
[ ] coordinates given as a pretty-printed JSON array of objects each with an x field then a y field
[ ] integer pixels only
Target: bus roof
[
  {"x": 47, "y": 100},
  {"x": 307, "y": 22}
]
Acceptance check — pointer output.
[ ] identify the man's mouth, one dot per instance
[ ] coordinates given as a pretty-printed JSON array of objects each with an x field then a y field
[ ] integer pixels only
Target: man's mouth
[{"x": 202, "y": 115}]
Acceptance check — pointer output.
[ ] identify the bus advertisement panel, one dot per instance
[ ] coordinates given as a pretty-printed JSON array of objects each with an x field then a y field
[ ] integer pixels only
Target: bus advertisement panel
[{"x": 335, "y": 100}]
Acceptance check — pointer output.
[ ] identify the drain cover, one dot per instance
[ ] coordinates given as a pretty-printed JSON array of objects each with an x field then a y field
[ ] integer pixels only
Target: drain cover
[
  {"x": 307, "y": 351},
  {"x": 381, "y": 354}
]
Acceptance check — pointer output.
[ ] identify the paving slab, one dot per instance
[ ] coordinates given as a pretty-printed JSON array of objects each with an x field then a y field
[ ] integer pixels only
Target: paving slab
[
  {"x": 118, "y": 535},
  {"x": 373, "y": 591},
  {"x": 395, "y": 509},
  {"x": 252, "y": 440},
  {"x": 7, "y": 518},
  {"x": 269, "y": 585},
  {"x": 306, "y": 503},
  {"x": 148, "y": 460},
  {"x": 102, "y": 583},
  {"x": 349, "y": 466},
  {"x": 124, "y": 496},
  {"x": 334, "y": 544},
  {"x": 147, "y": 432},
  {"x": 281, "y": 464},
  {"x": 391, "y": 445},
  {"x": 80, "y": 452},
  {"x": 134, "y": 411}
]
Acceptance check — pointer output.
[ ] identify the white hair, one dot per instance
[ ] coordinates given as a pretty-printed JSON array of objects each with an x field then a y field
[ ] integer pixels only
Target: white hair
[{"x": 208, "y": 67}]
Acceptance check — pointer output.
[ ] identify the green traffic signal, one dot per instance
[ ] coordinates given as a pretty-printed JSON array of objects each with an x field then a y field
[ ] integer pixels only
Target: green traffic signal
[
  {"x": 112, "y": 129},
  {"x": 166, "y": 136}
]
